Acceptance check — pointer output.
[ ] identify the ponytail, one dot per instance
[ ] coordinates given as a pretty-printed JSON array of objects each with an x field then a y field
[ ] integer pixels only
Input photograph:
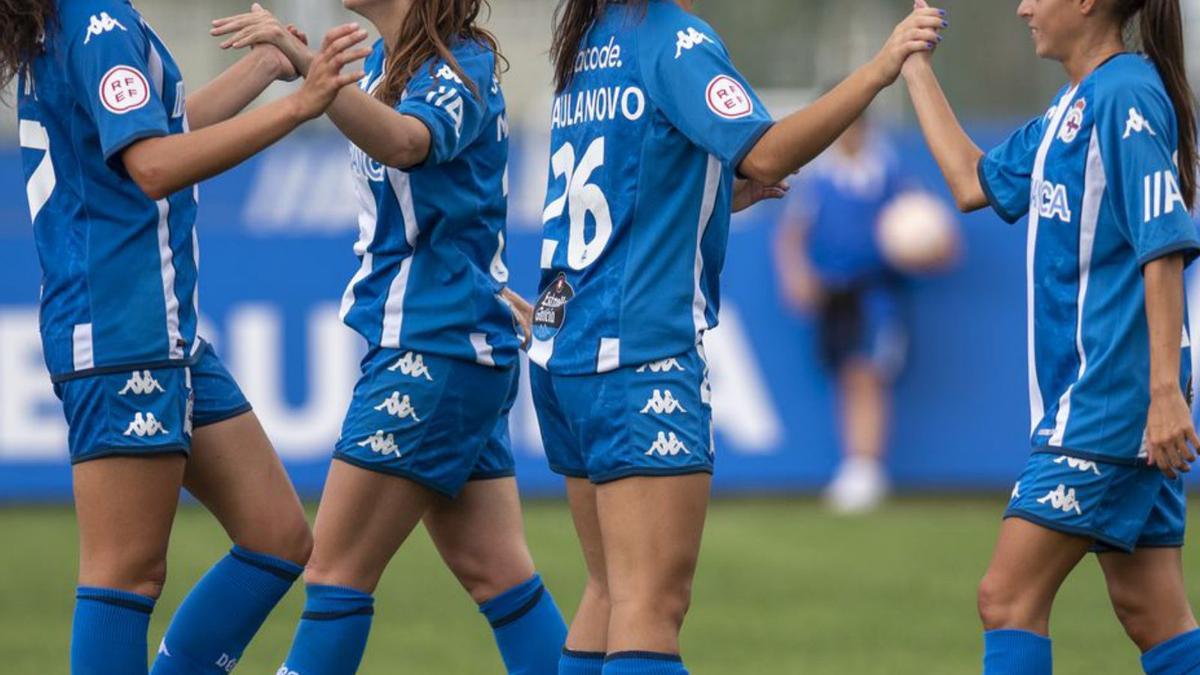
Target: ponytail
[
  {"x": 23, "y": 25},
  {"x": 572, "y": 21}
]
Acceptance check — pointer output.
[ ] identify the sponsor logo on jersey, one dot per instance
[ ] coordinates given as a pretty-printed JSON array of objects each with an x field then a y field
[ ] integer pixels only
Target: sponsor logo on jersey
[
  {"x": 99, "y": 25},
  {"x": 124, "y": 89},
  {"x": 667, "y": 445},
  {"x": 599, "y": 58},
  {"x": 550, "y": 311},
  {"x": 664, "y": 366},
  {"x": 727, "y": 98},
  {"x": 398, "y": 406},
  {"x": 1062, "y": 499},
  {"x": 1136, "y": 124},
  {"x": 144, "y": 425},
  {"x": 381, "y": 444},
  {"x": 1016, "y": 492},
  {"x": 1079, "y": 464},
  {"x": 227, "y": 663},
  {"x": 686, "y": 40},
  {"x": 413, "y": 365},
  {"x": 363, "y": 166},
  {"x": 661, "y": 403},
  {"x": 1073, "y": 122},
  {"x": 1160, "y": 195},
  {"x": 140, "y": 384},
  {"x": 1050, "y": 200}
]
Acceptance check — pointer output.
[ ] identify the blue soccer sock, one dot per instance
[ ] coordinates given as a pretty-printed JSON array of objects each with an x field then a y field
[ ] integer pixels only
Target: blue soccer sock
[
  {"x": 1178, "y": 656},
  {"x": 643, "y": 663},
  {"x": 1016, "y": 652},
  {"x": 528, "y": 628},
  {"x": 222, "y": 613},
  {"x": 580, "y": 663},
  {"x": 109, "y": 632},
  {"x": 332, "y": 635}
]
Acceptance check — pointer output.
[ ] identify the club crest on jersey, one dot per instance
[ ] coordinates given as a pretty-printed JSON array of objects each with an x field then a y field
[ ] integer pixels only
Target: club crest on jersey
[
  {"x": 124, "y": 89},
  {"x": 99, "y": 25},
  {"x": 551, "y": 309},
  {"x": 728, "y": 98},
  {"x": 1073, "y": 122}
]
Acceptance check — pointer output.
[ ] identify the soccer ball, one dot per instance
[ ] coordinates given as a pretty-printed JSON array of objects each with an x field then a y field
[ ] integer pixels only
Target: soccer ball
[{"x": 917, "y": 233}]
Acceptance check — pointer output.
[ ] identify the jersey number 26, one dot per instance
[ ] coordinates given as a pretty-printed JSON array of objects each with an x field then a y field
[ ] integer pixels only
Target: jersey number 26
[{"x": 582, "y": 198}]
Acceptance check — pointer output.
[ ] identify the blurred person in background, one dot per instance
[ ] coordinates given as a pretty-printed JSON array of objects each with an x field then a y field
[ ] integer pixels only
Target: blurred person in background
[{"x": 830, "y": 266}]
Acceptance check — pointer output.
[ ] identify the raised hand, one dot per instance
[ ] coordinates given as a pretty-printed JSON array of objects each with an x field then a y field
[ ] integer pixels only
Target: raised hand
[
  {"x": 747, "y": 193},
  {"x": 919, "y": 33},
  {"x": 261, "y": 27},
  {"x": 325, "y": 78}
]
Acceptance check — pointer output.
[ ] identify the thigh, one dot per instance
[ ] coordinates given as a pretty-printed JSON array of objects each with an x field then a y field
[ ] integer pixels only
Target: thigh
[
  {"x": 581, "y": 496},
  {"x": 1148, "y": 592},
  {"x": 125, "y": 507},
  {"x": 1028, "y": 567},
  {"x": 363, "y": 519}
]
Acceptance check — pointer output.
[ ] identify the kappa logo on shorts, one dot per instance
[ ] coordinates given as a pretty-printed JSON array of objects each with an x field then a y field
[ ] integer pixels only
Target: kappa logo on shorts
[
  {"x": 99, "y": 25},
  {"x": 140, "y": 384},
  {"x": 398, "y": 406},
  {"x": 664, "y": 366},
  {"x": 145, "y": 425},
  {"x": 381, "y": 444},
  {"x": 412, "y": 365},
  {"x": 1080, "y": 464},
  {"x": 663, "y": 404},
  {"x": 1063, "y": 500},
  {"x": 667, "y": 445}
]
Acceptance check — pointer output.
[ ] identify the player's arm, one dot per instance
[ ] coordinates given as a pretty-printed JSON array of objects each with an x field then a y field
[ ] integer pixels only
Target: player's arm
[
  {"x": 797, "y": 282},
  {"x": 230, "y": 92},
  {"x": 797, "y": 139},
  {"x": 522, "y": 313},
  {"x": 163, "y": 165},
  {"x": 1169, "y": 427}
]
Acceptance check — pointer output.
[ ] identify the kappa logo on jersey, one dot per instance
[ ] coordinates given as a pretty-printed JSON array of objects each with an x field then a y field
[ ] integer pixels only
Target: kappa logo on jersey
[
  {"x": 1050, "y": 200},
  {"x": 1073, "y": 123},
  {"x": 1160, "y": 195},
  {"x": 663, "y": 404},
  {"x": 664, "y": 366},
  {"x": 1016, "y": 493},
  {"x": 1079, "y": 464},
  {"x": 1063, "y": 500},
  {"x": 667, "y": 445},
  {"x": 728, "y": 98},
  {"x": 413, "y": 365},
  {"x": 101, "y": 24},
  {"x": 284, "y": 670},
  {"x": 689, "y": 39},
  {"x": 145, "y": 425},
  {"x": 1136, "y": 124},
  {"x": 162, "y": 648},
  {"x": 124, "y": 89},
  {"x": 398, "y": 406},
  {"x": 141, "y": 383},
  {"x": 227, "y": 663},
  {"x": 551, "y": 309},
  {"x": 381, "y": 444}
]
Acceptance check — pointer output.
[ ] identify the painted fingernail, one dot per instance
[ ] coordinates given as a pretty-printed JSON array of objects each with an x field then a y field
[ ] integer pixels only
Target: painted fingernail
[
  {"x": 930, "y": 44},
  {"x": 945, "y": 24},
  {"x": 939, "y": 38},
  {"x": 942, "y": 12}
]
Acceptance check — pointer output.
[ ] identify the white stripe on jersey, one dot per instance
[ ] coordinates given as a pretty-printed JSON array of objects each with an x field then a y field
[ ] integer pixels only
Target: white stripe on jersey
[
  {"x": 608, "y": 358},
  {"x": 483, "y": 351},
  {"x": 81, "y": 343},
  {"x": 1037, "y": 408},
  {"x": 1094, "y": 184},
  {"x": 541, "y": 351},
  {"x": 712, "y": 183},
  {"x": 155, "y": 64},
  {"x": 393, "y": 309},
  {"x": 166, "y": 259},
  {"x": 368, "y": 221}
]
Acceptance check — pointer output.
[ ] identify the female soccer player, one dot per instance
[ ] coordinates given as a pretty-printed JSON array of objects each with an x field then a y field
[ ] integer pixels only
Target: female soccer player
[
  {"x": 1107, "y": 177},
  {"x": 112, "y": 151},
  {"x": 650, "y": 126},
  {"x": 426, "y": 436}
]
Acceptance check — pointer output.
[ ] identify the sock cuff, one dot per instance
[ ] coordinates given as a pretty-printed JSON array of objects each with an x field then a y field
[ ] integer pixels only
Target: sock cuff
[
  {"x": 284, "y": 569},
  {"x": 116, "y": 598},
  {"x": 645, "y": 656},
  {"x": 1015, "y": 634},
  {"x": 330, "y": 603},
  {"x": 514, "y": 603},
  {"x": 1173, "y": 652},
  {"x": 583, "y": 656}
]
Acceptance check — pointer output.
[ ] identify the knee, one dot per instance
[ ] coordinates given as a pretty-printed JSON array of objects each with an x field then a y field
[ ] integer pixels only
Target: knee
[
  {"x": 666, "y": 602},
  {"x": 1146, "y": 624},
  {"x": 142, "y": 574},
  {"x": 291, "y": 541},
  {"x": 997, "y": 603},
  {"x": 488, "y": 574}
]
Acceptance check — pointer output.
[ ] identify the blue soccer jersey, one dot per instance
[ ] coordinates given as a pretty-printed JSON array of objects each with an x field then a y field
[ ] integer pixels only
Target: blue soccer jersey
[
  {"x": 646, "y": 140},
  {"x": 432, "y": 237},
  {"x": 1097, "y": 177},
  {"x": 119, "y": 269}
]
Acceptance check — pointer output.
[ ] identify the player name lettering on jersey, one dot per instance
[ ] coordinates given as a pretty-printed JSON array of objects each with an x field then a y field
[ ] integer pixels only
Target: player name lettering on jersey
[
  {"x": 1160, "y": 195},
  {"x": 599, "y": 58},
  {"x": 598, "y": 105},
  {"x": 1050, "y": 200}
]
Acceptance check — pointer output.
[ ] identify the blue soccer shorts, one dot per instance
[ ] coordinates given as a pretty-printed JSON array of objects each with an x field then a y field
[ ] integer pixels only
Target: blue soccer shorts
[
  {"x": 648, "y": 420},
  {"x": 436, "y": 421},
  {"x": 1122, "y": 507},
  {"x": 148, "y": 411}
]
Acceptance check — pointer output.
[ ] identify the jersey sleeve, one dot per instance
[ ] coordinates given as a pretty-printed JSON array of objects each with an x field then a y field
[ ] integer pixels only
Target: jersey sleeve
[
  {"x": 1136, "y": 127},
  {"x": 110, "y": 68},
  {"x": 690, "y": 77},
  {"x": 1005, "y": 172},
  {"x": 454, "y": 114}
]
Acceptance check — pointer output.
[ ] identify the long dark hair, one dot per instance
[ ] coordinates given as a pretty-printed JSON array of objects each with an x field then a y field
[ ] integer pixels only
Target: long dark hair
[
  {"x": 428, "y": 31},
  {"x": 572, "y": 21},
  {"x": 1161, "y": 31},
  {"x": 23, "y": 25}
]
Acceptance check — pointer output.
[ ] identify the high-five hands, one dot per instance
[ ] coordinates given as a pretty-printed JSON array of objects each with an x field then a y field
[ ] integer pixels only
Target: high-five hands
[
  {"x": 325, "y": 78},
  {"x": 918, "y": 34},
  {"x": 260, "y": 27}
]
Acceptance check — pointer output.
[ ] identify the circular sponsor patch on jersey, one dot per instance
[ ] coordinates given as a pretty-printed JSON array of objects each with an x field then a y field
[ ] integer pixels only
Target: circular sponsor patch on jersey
[
  {"x": 550, "y": 311},
  {"x": 728, "y": 98},
  {"x": 124, "y": 89}
]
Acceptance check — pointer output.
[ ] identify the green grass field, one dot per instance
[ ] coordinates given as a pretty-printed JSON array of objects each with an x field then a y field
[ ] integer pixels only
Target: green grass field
[{"x": 783, "y": 588}]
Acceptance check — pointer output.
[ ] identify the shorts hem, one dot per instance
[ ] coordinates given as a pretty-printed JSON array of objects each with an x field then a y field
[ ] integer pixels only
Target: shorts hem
[
  {"x": 1090, "y": 456},
  {"x": 217, "y": 418},
  {"x": 396, "y": 473},
  {"x": 492, "y": 475},
  {"x": 648, "y": 472},
  {"x": 1069, "y": 529},
  {"x": 1105, "y": 548},
  {"x": 568, "y": 473},
  {"x": 106, "y": 453}
]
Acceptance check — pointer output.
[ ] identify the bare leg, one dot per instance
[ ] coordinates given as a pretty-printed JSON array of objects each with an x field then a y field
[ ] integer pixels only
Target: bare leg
[
  {"x": 865, "y": 410},
  {"x": 651, "y": 530},
  {"x": 1148, "y": 594},
  {"x": 589, "y": 629}
]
